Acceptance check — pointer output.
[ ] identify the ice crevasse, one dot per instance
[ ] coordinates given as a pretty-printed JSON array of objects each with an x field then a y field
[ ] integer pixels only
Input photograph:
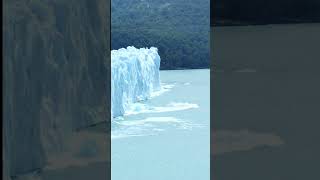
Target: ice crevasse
[{"x": 134, "y": 76}]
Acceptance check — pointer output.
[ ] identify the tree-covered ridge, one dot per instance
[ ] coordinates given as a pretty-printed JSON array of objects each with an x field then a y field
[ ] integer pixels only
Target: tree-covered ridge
[{"x": 179, "y": 28}]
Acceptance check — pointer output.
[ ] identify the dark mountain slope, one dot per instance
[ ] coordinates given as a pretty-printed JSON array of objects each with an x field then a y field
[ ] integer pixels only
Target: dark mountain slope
[{"x": 179, "y": 28}]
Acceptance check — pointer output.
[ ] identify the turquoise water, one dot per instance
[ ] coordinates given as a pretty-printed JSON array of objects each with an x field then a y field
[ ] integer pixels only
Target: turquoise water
[{"x": 168, "y": 136}]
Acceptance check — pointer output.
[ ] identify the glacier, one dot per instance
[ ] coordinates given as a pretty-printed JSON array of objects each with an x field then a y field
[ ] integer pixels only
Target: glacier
[{"x": 135, "y": 75}]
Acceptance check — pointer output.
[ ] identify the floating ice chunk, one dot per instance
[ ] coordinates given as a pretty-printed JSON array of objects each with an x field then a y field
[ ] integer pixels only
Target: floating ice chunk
[{"x": 134, "y": 77}]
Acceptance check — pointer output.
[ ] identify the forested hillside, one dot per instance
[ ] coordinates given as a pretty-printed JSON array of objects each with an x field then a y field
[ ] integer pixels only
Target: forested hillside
[{"x": 178, "y": 28}]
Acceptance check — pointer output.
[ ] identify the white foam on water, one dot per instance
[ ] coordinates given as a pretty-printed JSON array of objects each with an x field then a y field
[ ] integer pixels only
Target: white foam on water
[
  {"x": 164, "y": 88},
  {"x": 120, "y": 136},
  {"x": 150, "y": 126},
  {"x": 150, "y": 120},
  {"x": 140, "y": 108},
  {"x": 140, "y": 127}
]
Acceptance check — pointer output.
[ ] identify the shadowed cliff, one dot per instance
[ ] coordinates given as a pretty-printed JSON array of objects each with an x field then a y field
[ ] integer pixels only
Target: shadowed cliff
[{"x": 56, "y": 74}]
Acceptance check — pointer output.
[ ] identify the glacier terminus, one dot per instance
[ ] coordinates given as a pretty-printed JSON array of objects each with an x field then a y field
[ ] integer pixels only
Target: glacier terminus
[{"x": 134, "y": 76}]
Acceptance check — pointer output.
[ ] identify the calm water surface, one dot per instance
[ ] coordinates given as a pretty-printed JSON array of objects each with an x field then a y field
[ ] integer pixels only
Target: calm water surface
[{"x": 168, "y": 136}]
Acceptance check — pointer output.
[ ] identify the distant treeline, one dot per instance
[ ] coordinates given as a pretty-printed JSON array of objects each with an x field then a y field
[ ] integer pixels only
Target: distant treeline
[
  {"x": 239, "y": 12},
  {"x": 178, "y": 28}
]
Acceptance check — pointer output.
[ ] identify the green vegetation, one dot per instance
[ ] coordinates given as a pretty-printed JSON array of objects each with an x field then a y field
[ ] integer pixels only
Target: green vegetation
[{"x": 178, "y": 28}]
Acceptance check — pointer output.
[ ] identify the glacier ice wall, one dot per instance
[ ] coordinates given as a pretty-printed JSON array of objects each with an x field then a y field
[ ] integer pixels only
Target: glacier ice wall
[{"x": 134, "y": 76}]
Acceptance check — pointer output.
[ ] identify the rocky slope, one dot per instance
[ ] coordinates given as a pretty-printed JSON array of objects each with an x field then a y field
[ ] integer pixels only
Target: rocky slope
[{"x": 56, "y": 74}]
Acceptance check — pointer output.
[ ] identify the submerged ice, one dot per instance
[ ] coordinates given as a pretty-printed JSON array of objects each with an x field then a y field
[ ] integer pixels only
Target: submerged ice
[{"x": 135, "y": 77}]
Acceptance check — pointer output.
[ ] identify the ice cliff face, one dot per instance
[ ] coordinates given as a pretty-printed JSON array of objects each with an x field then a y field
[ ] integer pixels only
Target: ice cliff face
[
  {"x": 56, "y": 76},
  {"x": 134, "y": 76}
]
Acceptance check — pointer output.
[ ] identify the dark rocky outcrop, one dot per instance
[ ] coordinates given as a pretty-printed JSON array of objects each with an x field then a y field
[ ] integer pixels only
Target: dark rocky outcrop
[{"x": 56, "y": 74}]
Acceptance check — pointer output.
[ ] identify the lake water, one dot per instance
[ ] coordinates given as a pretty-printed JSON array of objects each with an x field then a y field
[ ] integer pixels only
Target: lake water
[{"x": 168, "y": 136}]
